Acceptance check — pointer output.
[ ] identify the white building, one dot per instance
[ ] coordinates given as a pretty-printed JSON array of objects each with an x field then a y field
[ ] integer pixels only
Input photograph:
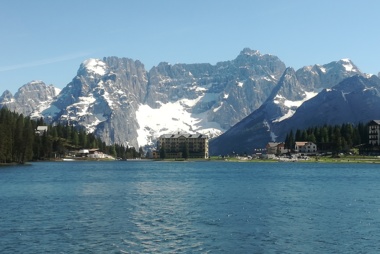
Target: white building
[
  {"x": 41, "y": 129},
  {"x": 305, "y": 147}
]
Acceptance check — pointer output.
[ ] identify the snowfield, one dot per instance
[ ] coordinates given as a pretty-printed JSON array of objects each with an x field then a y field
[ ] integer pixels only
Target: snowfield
[{"x": 172, "y": 117}]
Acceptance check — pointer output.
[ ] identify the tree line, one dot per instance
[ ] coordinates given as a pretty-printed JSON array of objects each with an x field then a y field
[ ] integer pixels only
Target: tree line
[
  {"x": 335, "y": 138},
  {"x": 19, "y": 141}
]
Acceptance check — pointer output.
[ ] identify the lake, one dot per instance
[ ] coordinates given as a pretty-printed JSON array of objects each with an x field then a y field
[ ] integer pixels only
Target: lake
[{"x": 189, "y": 207}]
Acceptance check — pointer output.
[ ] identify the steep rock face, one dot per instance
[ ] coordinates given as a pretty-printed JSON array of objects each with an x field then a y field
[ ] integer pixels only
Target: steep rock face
[
  {"x": 118, "y": 100},
  {"x": 30, "y": 99},
  {"x": 103, "y": 98},
  {"x": 354, "y": 100},
  {"x": 318, "y": 77},
  {"x": 226, "y": 92},
  {"x": 206, "y": 98},
  {"x": 269, "y": 122}
]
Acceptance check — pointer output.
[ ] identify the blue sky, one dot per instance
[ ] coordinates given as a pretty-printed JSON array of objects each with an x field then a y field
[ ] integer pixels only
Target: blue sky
[{"x": 47, "y": 40}]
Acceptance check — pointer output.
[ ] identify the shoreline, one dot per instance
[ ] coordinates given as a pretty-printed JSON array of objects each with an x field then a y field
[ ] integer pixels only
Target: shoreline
[{"x": 348, "y": 159}]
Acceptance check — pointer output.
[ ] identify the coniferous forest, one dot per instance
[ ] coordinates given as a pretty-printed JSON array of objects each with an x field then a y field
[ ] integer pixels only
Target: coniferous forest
[
  {"x": 19, "y": 141},
  {"x": 333, "y": 138}
]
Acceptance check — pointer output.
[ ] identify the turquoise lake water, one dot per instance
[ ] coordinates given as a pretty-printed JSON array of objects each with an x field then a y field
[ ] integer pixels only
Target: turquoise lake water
[{"x": 189, "y": 207}]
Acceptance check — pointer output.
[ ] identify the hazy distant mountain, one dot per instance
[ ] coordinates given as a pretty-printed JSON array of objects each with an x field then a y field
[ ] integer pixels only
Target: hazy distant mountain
[{"x": 122, "y": 102}]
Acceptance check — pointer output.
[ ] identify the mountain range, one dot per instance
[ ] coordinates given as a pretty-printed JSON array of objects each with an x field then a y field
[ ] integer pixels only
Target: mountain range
[{"x": 242, "y": 103}]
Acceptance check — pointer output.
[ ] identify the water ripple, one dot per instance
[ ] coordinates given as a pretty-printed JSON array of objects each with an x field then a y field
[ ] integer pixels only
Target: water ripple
[{"x": 126, "y": 207}]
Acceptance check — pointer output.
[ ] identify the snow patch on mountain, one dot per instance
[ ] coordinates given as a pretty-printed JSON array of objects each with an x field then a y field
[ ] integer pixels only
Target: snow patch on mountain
[
  {"x": 291, "y": 105},
  {"x": 49, "y": 113},
  {"x": 288, "y": 114},
  {"x": 95, "y": 66},
  {"x": 173, "y": 117},
  {"x": 322, "y": 68},
  {"x": 42, "y": 109},
  {"x": 217, "y": 108},
  {"x": 98, "y": 118},
  {"x": 347, "y": 64},
  {"x": 82, "y": 106},
  {"x": 57, "y": 90},
  {"x": 272, "y": 134},
  {"x": 8, "y": 100}
]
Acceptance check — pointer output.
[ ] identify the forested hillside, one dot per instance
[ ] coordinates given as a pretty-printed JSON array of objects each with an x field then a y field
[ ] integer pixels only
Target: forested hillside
[
  {"x": 337, "y": 138},
  {"x": 19, "y": 141}
]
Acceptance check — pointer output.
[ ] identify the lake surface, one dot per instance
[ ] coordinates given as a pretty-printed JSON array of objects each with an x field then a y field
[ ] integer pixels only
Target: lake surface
[{"x": 189, "y": 207}]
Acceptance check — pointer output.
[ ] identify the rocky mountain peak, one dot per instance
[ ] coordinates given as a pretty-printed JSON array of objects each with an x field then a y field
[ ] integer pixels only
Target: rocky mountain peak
[
  {"x": 92, "y": 66},
  {"x": 250, "y": 52},
  {"x": 121, "y": 102},
  {"x": 30, "y": 99},
  {"x": 288, "y": 87},
  {"x": 257, "y": 64},
  {"x": 357, "y": 83},
  {"x": 6, "y": 97},
  {"x": 348, "y": 65}
]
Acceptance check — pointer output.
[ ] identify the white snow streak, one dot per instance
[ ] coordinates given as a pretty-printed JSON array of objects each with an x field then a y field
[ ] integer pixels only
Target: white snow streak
[
  {"x": 83, "y": 105},
  {"x": 291, "y": 104},
  {"x": 173, "y": 117},
  {"x": 57, "y": 91},
  {"x": 347, "y": 64},
  {"x": 95, "y": 66},
  {"x": 323, "y": 69}
]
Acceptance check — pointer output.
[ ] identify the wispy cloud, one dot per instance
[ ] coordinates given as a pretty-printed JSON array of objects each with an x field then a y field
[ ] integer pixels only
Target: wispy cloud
[{"x": 44, "y": 61}]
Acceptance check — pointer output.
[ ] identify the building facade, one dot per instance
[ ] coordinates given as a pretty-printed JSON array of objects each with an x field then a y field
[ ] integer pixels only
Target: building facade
[
  {"x": 305, "y": 147},
  {"x": 177, "y": 145},
  {"x": 374, "y": 132},
  {"x": 41, "y": 130},
  {"x": 276, "y": 148}
]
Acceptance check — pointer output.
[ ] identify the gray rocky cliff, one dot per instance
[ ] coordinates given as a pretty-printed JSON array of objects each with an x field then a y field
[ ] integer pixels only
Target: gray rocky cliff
[
  {"x": 228, "y": 91},
  {"x": 30, "y": 99},
  {"x": 276, "y": 116},
  {"x": 255, "y": 94},
  {"x": 103, "y": 97}
]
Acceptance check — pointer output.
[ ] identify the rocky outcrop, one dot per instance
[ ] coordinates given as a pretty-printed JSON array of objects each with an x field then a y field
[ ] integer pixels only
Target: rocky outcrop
[
  {"x": 355, "y": 99},
  {"x": 120, "y": 101},
  {"x": 30, "y": 99}
]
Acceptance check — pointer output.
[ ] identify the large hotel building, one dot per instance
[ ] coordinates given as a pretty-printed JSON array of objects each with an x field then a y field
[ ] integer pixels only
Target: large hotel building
[{"x": 175, "y": 145}]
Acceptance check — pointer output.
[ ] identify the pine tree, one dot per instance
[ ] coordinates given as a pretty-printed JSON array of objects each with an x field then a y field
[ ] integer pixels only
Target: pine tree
[
  {"x": 162, "y": 152},
  {"x": 298, "y": 136},
  {"x": 185, "y": 151},
  {"x": 74, "y": 138}
]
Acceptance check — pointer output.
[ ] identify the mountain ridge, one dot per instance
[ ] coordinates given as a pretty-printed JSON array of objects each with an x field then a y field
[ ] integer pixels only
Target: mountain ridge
[
  {"x": 355, "y": 99},
  {"x": 120, "y": 101}
]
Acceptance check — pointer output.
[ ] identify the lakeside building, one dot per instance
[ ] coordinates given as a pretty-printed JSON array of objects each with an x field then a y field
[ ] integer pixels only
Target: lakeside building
[
  {"x": 276, "y": 148},
  {"x": 175, "y": 145},
  {"x": 305, "y": 147},
  {"x": 374, "y": 132},
  {"x": 373, "y": 145}
]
